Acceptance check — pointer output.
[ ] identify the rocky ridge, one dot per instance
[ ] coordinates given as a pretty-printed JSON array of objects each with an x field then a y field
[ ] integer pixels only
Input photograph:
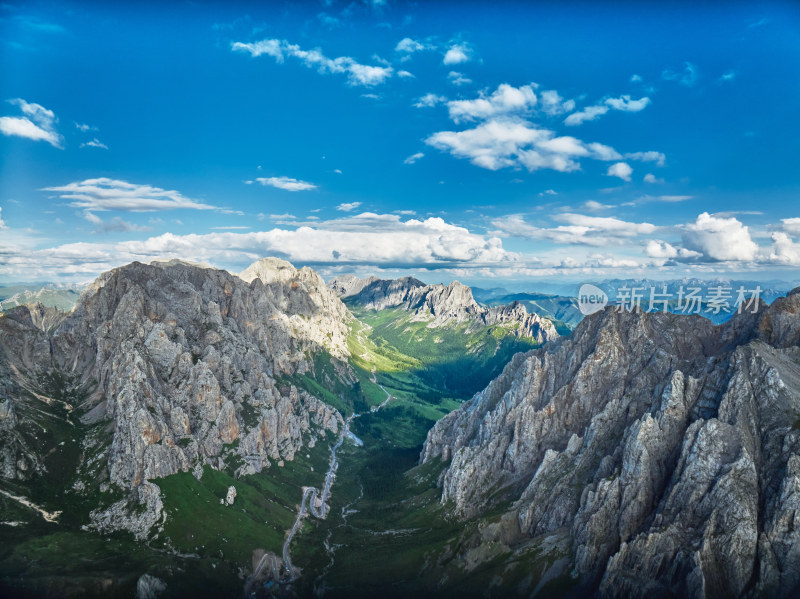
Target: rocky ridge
[
  {"x": 188, "y": 365},
  {"x": 661, "y": 452},
  {"x": 440, "y": 305}
]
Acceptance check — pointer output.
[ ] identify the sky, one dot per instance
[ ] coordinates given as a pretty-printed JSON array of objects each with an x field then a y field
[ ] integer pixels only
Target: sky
[{"x": 488, "y": 142}]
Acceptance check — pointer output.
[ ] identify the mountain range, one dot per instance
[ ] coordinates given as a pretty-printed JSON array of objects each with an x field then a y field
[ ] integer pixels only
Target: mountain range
[{"x": 163, "y": 437}]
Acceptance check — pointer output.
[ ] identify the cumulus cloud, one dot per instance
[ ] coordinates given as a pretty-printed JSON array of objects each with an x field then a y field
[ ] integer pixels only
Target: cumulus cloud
[
  {"x": 661, "y": 250},
  {"x": 457, "y": 78},
  {"x": 383, "y": 240},
  {"x": 357, "y": 73},
  {"x": 410, "y": 46},
  {"x": 625, "y": 104},
  {"x": 719, "y": 239},
  {"x": 651, "y": 178},
  {"x": 589, "y": 113},
  {"x": 579, "y": 229},
  {"x": 286, "y": 183},
  {"x": 37, "y": 124},
  {"x": 413, "y": 158},
  {"x": 505, "y": 100},
  {"x": 429, "y": 101},
  {"x": 348, "y": 206},
  {"x": 457, "y": 54},
  {"x": 111, "y": 194},
  {"x": 791, "y": 225},
  {"x": 784, "y": 250},
  {"x": 553, "y": 104},
  {"x": 502, "y": 142},
  {"x": 620, "y": 169}
]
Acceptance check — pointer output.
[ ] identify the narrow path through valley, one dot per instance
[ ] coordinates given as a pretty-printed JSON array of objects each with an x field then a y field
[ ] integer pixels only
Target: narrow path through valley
[{"x": 308, "y": 504}]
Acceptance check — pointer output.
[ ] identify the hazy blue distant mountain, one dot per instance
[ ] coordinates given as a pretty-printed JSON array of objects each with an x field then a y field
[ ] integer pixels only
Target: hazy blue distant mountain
[{"x": 52, "y": 295}]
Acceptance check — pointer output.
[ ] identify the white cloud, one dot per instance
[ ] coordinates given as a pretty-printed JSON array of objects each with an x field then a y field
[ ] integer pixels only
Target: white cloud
[
  {"x": 84, "y": 127},
  {"x": 95, "y": 143},
  {"x": 553, "y": 104},
  {"x": 606, "y": 224},
  {"x": 457, "y": 54},
  {"x": 625, "y": 104},
  {"x": 603, "y": 152},
  {"x": 729, "y": 75},
  {"x": 38, "y": 124},
  {"x": 410, "y": 46},
  {"x": 650, "y": 156},
  {"x": 457, "y": 78},
  {"x": 505, "y": 100},
  {"x": 688, "y": 76},
  {"x": 651, "y": 178},
  {"x": 2, "y": 222},
  {"x": 286, "y": 183},
  {"x": 719, "y": 238},
  {"x": 636, "y": 78},
  {"x": 661, "y": 250},
  {"x": 791, "y": 225},
  {"x": 429, "y": 101},
  {"x": 92, "y": 218},
  {"x": 596, "y": 206},
  {"x": 348, "y": 206},
  {"x": 111, "y": 194},
  {"x": 621, "y": 170},
  {"x": 784, "y": 250},
  {"x": 578, "y": 230},
  {"x": 413, "y": 158},
  {"x": 589, "y": 113},
  {"x": 383, "y": 240},
  {"x": 405, "y": 75},
  {"x": 503, "y": 142},
  {"x": 357, "y": 73}
]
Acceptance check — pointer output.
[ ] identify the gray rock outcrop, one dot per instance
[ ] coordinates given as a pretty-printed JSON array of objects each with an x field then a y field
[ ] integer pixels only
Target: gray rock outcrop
[
  {"x": 666, "y": 449},
  {"x": 440, "y": 305},
  {"x": 190, "y": 366}
]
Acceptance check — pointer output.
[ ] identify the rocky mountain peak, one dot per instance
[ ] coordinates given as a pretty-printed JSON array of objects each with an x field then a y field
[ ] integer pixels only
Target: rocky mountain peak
[
  {"x": 439, "y": 305},
  {"x": 643, "y": 440},
  {"x": 184, "y": 363}
]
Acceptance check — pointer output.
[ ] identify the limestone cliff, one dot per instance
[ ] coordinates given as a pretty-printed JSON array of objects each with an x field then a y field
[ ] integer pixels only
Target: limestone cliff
[
  {"x": 189, "y": 366},
  {"x": 440, "y": 305},
  {"x": 666, "y": 451}
]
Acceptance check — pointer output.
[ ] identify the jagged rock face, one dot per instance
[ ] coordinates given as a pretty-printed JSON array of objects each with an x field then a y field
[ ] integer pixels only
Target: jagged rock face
[
  {"x": 20, "y": 342},
  {"x": 185, "y": 361},
  {"x": 348, "y": 285},
  {"x": 666, "y": 448},
  {"x": 308, "y": 307},
  {"x": 440, "y": 305}
]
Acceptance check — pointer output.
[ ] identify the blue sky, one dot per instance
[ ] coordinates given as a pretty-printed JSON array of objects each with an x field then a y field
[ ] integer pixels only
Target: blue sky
[{"x": 485, "y": 142}]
